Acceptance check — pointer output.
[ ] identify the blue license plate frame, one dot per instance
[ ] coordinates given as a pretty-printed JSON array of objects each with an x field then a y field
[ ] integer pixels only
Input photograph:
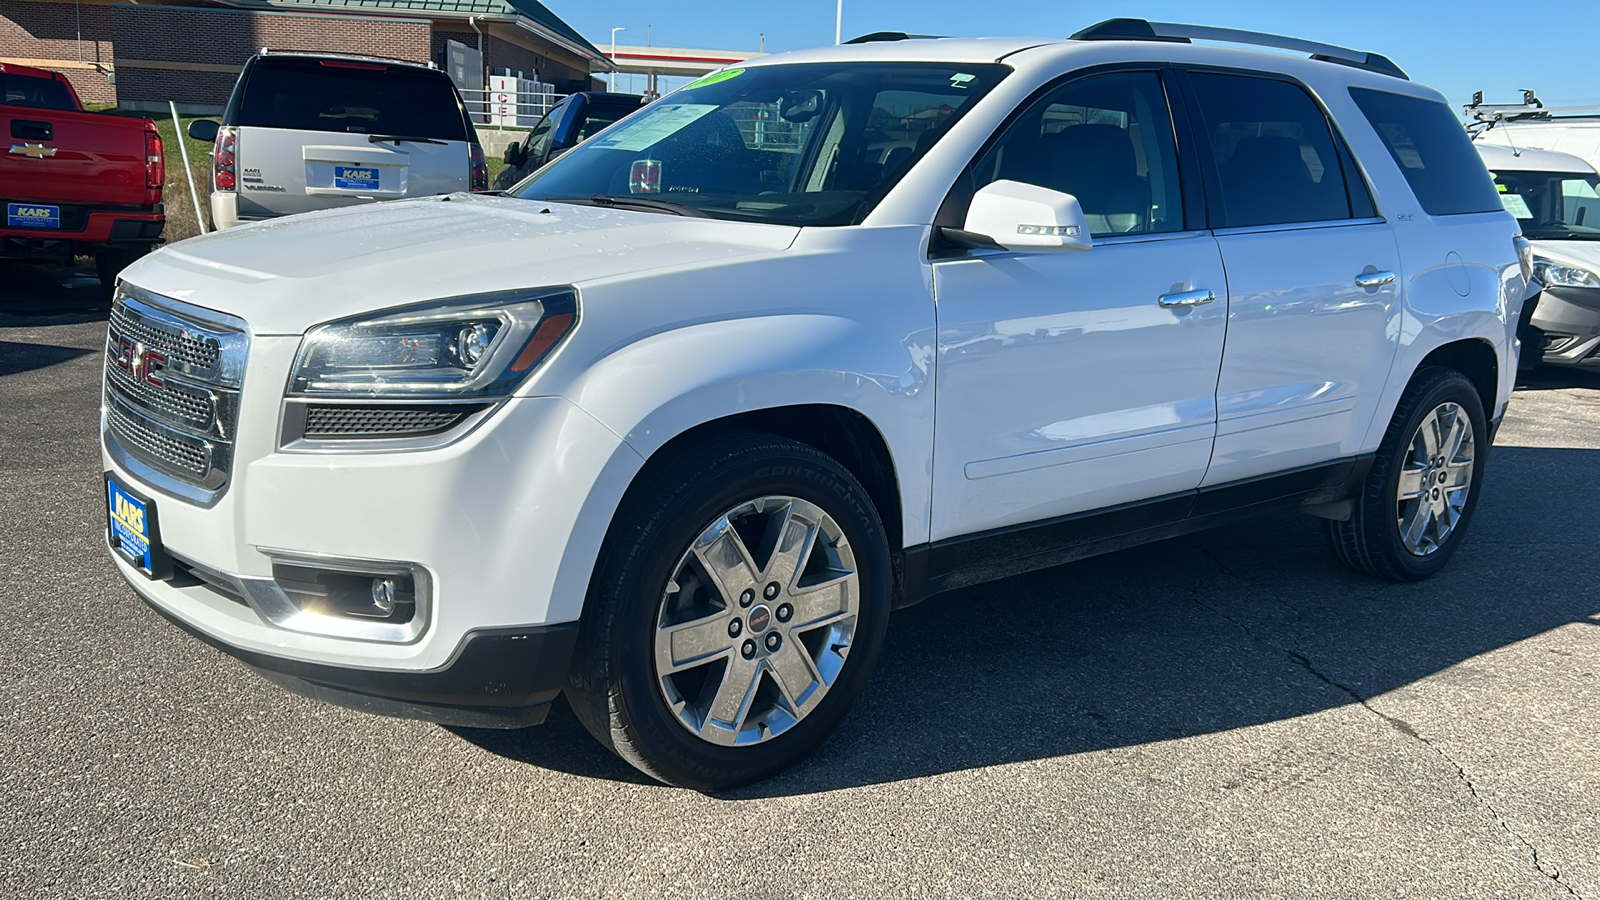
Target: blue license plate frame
[
  {"x": 33, "y": 215},
  {"x": 355, "y": 178},
  {"x": 133, "y": 531}
]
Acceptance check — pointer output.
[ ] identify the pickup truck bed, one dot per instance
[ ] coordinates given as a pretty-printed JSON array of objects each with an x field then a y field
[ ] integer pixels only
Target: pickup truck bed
[{"x": 75, "y": 182}]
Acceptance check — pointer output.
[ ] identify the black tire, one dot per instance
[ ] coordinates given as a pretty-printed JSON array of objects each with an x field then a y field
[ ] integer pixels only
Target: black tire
[
  {"x": 109, "y": 263},
  {"x": 1370, "y": 541},
  {"x": 613, "y": 687}
]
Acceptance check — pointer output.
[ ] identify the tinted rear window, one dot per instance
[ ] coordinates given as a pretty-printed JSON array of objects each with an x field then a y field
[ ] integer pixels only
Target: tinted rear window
[
  {"x": 42, "y": 93},
  {"x": 358, "y": 98},
  {"x": 1433, "y": 152}
]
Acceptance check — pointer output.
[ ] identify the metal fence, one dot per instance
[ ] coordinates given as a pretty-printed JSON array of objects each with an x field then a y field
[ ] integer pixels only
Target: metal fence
[{"x": 508, "y": 109}]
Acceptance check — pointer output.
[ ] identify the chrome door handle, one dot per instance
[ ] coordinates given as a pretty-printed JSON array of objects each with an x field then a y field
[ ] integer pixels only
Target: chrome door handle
[
  {"x": 1374, "y": 279},
  {"x": 1188, "y": 298}
]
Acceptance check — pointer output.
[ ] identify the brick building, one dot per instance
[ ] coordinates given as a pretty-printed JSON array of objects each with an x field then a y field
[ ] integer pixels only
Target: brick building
[{"x": 140, "y": 55}]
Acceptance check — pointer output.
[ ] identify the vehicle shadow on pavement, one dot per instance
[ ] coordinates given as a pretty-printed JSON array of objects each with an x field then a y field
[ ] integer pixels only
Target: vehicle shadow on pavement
[
  {"x": 15, "y": 357},
  {"x": 1242, "y": 626},
  {"x": 33, "y": 294},
  {"x": 1550, "y": 378}
]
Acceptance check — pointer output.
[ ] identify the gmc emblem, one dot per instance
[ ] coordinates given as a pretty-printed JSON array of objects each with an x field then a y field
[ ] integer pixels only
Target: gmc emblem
[{"x": 139, "y": 361}]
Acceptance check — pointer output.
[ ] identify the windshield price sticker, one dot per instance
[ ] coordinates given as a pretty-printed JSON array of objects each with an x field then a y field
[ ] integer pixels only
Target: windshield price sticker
[
  {"x": 652, "y": 125},
  {"x": 1517, "y": 206},
  {"x": 32, "y": 215}
]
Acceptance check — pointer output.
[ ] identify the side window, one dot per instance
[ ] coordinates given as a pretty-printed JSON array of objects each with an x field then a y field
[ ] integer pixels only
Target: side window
[
  {"x": 538, "y": 142},
  {"x": 1432, "y": 150},
  {"x": 1275, "y": 158},
  {"x": 1106, "y": 140}
]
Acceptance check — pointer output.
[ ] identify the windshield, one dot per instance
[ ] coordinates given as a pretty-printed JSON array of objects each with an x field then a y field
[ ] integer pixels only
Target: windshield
[
  {"x": 801, "y": 144},
  {"x": 1559, "y": 206}
]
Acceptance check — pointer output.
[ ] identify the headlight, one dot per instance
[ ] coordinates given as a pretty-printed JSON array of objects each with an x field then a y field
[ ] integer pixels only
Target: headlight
[
  {"x": 1555, "y": 274},
  {"x": 478, "y": 346}
]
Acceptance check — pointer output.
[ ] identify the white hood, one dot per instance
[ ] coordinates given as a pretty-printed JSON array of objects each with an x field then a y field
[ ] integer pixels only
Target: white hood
[{"x": 285, "y": 275}]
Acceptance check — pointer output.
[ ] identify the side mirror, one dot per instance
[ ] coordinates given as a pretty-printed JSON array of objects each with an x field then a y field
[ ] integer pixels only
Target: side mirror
[
  {"x": 516, "y": 154},
  {"x": 203, "y": 130},
  {"x": 1011, "y": 215}
]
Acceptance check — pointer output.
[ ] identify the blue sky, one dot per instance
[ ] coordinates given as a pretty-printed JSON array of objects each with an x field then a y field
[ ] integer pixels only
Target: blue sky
[{"x": 1455, "y": 47}]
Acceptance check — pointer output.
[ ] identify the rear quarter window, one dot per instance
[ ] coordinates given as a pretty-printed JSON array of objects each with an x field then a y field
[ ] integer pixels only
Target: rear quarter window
[
  {"x": 40, "y": 93},
  {"x": 1433, "y": 152},
  {"x": 354, "y": 98}
]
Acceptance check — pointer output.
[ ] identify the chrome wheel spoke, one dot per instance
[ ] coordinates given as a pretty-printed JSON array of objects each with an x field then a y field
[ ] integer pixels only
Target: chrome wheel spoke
[
  {"x": 1458, "y": 475},
  {"x": 1411, "y": 477},
  {"x": 730, "y": 706},
  {"x": 1429, "y": 434},
  {"x": 792, "y": 548},
  {"x": 695, "y": 643},
  {"x": 798, "y": 679},
  {"x": 1457, "y": 435},
  {"x": 823, "y": 603},
  {"x": 1417, "y": 526},
  {"x": 727, "y": 560}
]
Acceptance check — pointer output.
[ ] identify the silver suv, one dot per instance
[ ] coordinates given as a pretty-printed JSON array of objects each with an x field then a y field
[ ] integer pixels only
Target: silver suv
[{"x": 304, "y": 131}]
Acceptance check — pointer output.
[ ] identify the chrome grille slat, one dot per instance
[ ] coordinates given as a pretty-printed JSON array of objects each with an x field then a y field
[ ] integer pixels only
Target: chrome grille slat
[
  {"x": 173, "y": 376},
  {"x": 195, "y": 352},
  {"x": 181, "y": 405},
  {"x": 160, "y": 449}
]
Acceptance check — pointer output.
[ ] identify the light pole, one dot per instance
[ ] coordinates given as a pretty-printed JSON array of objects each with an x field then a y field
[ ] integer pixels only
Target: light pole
[
  {"x": 838, "y": 25},
  {"x": 614, "y": 54}
]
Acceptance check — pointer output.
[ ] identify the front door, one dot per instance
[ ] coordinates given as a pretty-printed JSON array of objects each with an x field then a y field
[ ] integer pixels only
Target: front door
[{"x": 1068, "y": 381}]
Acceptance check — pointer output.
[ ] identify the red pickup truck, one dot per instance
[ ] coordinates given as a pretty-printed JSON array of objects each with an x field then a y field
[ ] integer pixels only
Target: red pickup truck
[{"x": 75, "y": 182}]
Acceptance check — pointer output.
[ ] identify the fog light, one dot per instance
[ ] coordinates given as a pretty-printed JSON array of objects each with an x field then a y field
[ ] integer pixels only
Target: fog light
[{"x": 383, "y": 596}]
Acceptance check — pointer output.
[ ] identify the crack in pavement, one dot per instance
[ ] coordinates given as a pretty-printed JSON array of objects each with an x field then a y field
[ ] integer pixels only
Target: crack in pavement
[{"x": 1398, "y": 724}]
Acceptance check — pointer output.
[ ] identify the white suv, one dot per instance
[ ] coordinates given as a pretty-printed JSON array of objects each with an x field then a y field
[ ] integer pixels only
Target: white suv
[{"x": 673, "y": 428}]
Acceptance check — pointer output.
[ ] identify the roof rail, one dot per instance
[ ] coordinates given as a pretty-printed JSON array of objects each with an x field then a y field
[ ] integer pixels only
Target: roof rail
[
  {"x": 878, "y": 36},
  {"x": 1487, "y": 115},
  {"x": 338, "y": 54},
  {"x": 1172, "y": 32}
]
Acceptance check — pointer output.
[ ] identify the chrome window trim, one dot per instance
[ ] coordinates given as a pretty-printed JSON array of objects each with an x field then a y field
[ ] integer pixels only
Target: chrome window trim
[{"x": 1298, "y": 226}]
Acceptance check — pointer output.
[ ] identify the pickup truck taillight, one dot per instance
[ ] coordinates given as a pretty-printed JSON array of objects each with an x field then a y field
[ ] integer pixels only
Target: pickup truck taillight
[
  {"x": 155, "y": 161},
  {"x": 480, "y": 168},
  {"x": 223, "y": 153}
]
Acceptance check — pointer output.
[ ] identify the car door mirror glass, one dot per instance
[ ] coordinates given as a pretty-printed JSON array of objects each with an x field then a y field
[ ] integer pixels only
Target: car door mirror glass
[
  {"x": 203, "y": 130},
  {"x": 1018, "y": 216},
  {"x": 516, "y": 154}
]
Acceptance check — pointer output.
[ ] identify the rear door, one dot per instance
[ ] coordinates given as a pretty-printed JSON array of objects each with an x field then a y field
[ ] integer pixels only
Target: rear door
[
  {"x": 1313, "y": 278},
  {"x": 316, "y": 133}
]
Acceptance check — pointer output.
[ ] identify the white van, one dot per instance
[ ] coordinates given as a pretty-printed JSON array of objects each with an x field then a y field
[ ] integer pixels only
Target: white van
[
  {"x": 306, "y": 131},
  {"x": 1555, "y": 197},
  {"x": 1532, "y": 125}
]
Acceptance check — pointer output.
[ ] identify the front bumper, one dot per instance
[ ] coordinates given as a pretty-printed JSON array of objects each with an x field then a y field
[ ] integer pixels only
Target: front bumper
[
  {"x": 1570, "y": 321},
  {"x": 498, "y": 678}
]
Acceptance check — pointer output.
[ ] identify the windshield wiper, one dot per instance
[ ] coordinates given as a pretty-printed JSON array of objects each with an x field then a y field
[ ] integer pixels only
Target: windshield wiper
[
  {"x": 398, "y": 138},
  {"x": 624, "y": 201}
]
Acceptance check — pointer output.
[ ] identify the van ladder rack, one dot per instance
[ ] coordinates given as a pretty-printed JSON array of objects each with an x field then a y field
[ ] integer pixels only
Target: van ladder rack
[
  {"x": 1172, "y": 32},
  {"x": 1487, "y": 115}
]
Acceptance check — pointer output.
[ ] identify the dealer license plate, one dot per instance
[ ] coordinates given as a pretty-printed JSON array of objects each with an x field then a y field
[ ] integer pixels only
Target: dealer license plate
[
  {"x": 131, "y": 521},
  {"x": 32, "y": 215},
  {"x": 355, "y": 178}
]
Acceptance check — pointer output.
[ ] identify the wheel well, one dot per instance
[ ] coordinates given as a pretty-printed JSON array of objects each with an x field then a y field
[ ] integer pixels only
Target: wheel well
[
  {"x": 1475, "y": 359},
  {"x": 843, "y": 434}
]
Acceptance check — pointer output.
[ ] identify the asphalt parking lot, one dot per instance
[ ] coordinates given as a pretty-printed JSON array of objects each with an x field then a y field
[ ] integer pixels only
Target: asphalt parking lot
[{"x": 1231, "y": 714}]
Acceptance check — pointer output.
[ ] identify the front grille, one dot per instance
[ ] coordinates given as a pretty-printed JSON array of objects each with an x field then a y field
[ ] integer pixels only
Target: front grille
[
  {"x": 335, "y": 422},
  {"x": 172, "y": 379},
  {"x": 162, "y": 449}
]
